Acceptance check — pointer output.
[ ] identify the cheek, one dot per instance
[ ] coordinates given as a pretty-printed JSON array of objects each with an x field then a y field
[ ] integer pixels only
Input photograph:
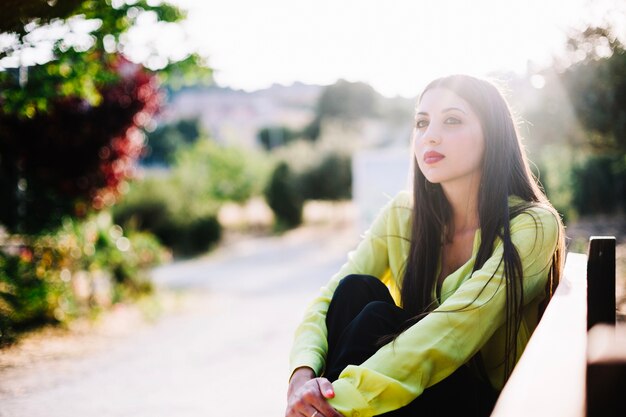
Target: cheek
[
  {"x": 479, "y": 145},
  {"x": 417, "y": 150},
  {"x": 472, "y": 144},
  {"x": 415, "y": 144}
]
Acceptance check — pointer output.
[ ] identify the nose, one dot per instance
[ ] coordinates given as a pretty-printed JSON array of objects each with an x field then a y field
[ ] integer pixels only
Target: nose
[{"x": 431, "y": 135}]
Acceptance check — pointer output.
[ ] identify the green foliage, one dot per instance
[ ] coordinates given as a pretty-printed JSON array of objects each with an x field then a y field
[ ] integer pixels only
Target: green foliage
[
  {"x": 209, "y": 172},
  {"x": 553, "y": 168},
  {"x": 348, "y": 101},
  {"x": 181, "y": 207},
  {"x": 69, "y": 127},
  {"x": 313, "y": 130},
  {"x": 69, "y": 135},
  {"x": 330, "y": 179},
  {"x": 159, "y": 206},
  {"x": 598, "y": 93},
  {"x": 78, "y": 70},
  {"x": 600, "y": 184},
  {"x": 75, "y": 156},
  {"x": 275, "y": 136},
  {"x": 17, "y": 13},
  {"x": 83, "y": 266},
  {"x": 324, "y": 173},
  {"x": 284, "y": 196},
  {"x": 306, "y": 172},
  {"x": 166, "y": 140},
  {"x": 577, "y": 124}
]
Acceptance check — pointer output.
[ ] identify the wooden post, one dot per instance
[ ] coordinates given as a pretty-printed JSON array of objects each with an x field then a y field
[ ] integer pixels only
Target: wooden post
[
  {"x": 606, "y": 371},
  {"x": 601, "y": 281},
  {"x": 606, "y": 366}
]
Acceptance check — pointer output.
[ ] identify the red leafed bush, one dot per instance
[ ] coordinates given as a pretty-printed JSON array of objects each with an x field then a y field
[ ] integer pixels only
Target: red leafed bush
[{"x": 76, "y": 156}]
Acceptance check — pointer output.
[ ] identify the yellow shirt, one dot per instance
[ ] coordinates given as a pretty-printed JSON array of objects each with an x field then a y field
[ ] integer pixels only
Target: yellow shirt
[{"x": 438, "y": 344}]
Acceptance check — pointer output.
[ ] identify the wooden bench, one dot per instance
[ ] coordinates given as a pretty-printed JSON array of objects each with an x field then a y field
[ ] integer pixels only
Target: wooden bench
[{"x": 563, "y": 372}]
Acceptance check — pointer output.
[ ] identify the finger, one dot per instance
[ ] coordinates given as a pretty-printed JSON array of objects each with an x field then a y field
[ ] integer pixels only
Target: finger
[
  {"x": 303, "y": 411},
  {"x": 326, "y": 388},
  {"x": 318, "y": 413},
  {"x": 307, "y": 402},
  {"x": 326, "y": 409}
]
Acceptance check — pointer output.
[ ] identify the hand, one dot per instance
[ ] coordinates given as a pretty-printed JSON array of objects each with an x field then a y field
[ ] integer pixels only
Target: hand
[{"x": 307, "y": 395}]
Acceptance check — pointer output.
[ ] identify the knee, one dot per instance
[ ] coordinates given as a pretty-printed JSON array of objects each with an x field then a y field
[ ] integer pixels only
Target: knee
[
  {"x": 357, "y": 282},
  {"x": 379, "y": 309},
  {"x": 380, "y": 318}
]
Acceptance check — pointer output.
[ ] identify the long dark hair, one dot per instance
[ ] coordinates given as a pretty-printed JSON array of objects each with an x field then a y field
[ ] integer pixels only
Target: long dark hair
[{"x": 505, "y": 172}]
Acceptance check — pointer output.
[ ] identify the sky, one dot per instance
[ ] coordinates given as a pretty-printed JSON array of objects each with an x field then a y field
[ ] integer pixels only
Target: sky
[{"x": 397, "y": 46}]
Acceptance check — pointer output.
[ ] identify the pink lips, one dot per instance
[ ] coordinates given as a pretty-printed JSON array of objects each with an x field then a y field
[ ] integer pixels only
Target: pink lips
[{"x": 432, "y": 157}]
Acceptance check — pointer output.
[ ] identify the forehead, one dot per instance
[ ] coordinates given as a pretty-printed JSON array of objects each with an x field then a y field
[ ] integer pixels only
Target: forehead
[{"x": 439, "y": 99}]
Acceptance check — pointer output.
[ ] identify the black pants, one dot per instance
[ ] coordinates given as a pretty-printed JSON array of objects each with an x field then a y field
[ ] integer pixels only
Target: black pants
[{"x": 360, "y": 313}]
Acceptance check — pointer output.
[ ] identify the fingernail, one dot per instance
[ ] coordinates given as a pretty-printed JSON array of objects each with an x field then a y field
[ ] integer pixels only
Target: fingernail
[{"x": 330, "y": 393}]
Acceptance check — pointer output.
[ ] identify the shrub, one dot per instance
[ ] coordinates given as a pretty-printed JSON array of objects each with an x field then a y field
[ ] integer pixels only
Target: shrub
[
  {"x": 600, "y": 184},
  {"x": 307, "y": 171},
  {"x": 199, "y": 235},
  {"x": 181, "y": 222},
  {"x": 210, "y": 172},
  {"x": 181, "y": 207},
  {"x": 271, "y": 137},
  {"x": 330, "y": 179},
  {"x": 82, "y": 267},
  {"x": 284, "y": 196},
  {"x": 167, "y": 139},
  {"x": 75, "y": 157}
]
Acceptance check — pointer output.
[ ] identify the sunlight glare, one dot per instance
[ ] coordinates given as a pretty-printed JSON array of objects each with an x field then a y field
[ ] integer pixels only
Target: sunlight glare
[{"x": 395, "y": 47}]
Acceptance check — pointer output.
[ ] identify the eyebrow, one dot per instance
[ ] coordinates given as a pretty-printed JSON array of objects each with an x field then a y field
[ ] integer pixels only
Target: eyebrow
[
  {"x": 453, "y": 108},
  {"x": 447, "y": 109}
]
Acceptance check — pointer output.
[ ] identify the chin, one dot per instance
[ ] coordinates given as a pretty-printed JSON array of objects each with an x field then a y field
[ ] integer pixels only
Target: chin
[{"x": 434, "y": 179}]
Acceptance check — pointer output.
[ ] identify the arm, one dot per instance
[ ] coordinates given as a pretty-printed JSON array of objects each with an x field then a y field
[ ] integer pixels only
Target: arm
[
  {"x": 437, "y": 345},
  {"x": 308, "y": 394},
  {"x": 370, "y": 257}
]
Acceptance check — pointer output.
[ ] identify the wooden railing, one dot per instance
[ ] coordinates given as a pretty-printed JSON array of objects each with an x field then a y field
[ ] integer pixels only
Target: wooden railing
[{"x": 554, "y": 376}]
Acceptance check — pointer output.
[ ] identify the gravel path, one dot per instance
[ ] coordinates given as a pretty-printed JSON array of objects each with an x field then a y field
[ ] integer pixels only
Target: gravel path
[{"x": 222, "y": 352}]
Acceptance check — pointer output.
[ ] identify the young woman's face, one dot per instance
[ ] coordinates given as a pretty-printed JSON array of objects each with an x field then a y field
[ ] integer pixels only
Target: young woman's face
[{"x": 448, "y": 140}]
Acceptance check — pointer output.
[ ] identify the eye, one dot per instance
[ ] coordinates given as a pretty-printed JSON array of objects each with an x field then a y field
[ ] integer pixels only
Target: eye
[
  {"x": 421, "y": 123},
  {"x": 452, "y": 121}
]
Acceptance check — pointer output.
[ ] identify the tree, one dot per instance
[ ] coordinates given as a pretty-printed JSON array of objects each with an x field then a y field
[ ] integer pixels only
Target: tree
[
  {"x": 271, "y": 137},
  {"x": 70, "y": 127},
  {"x": 166, "y": 140},
  {"x": 596, "y": 84},
  {"x": 348, "y": 101},
  {"x": 83, "y": 51},
  {"x": 18, "y": 13},
  {"x": 75, "y": 156},
  {"x": 284, "y": 197}
]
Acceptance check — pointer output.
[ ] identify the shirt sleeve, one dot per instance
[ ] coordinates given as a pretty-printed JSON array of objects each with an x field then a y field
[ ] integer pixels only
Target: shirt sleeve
[
  {"x": 370, "y": 257},
  {"x": 437, "y": 345}
]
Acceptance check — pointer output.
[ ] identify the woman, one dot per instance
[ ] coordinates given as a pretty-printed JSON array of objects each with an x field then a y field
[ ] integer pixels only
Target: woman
[{"x": 435, "y": 306}]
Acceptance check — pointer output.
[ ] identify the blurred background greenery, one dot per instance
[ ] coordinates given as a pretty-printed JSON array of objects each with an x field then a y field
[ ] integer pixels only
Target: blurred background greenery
[{"x": 110, "y": 166}]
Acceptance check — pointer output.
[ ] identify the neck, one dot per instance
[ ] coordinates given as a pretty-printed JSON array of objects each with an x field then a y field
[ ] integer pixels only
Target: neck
[{"x": 462, "y": 194}]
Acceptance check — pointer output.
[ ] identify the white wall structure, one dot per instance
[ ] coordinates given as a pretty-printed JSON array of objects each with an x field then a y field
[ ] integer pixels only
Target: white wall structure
[{"x": 377, "y": 176}]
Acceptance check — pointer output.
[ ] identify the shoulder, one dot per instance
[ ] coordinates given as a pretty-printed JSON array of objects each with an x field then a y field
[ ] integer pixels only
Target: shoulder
[
  {"x": 404, "y": 199},
  {"x": 535, "y": 219},
  {"x": 400, "y": 206},
  {"x": 532, "y": 213},
  {"x": 395, "y": 214}
]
